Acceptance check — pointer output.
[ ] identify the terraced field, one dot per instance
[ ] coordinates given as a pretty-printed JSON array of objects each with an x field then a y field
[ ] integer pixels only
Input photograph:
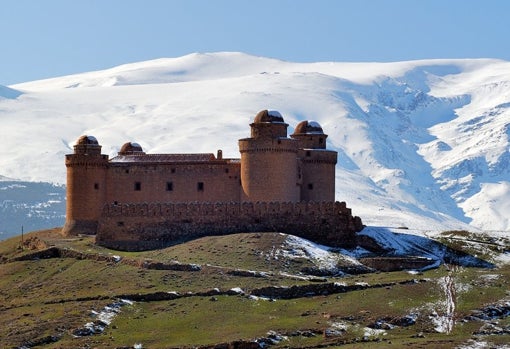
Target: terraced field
[{"x": 250, "y": 290}]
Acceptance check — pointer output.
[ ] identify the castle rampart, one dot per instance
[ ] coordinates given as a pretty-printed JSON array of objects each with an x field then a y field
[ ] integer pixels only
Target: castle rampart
[{"x": 152, "y": 225}]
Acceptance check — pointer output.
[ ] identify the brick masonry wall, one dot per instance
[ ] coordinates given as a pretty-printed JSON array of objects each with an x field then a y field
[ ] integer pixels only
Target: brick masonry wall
[
  {"x": 269, "y": 169},
  {"x": 85, "y": 192},
  {"x": 221, "y": 182},
  {"x": 318, "y": 174},
  {"x": 154, "y": 225}
]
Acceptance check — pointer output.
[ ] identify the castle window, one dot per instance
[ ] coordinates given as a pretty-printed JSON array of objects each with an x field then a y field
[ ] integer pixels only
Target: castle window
[
  {"x": 172, "y": 170},
  {"x": 226, "y": 170},
  {"x": 96, "y": 186},
  {"x": 310, "y": 186},
  {"x": 321, "y": 140},
  {"x": 127, "y": 171},
  {"x": 308, "y": 153},
  {"x": 169, "y": 186},
  {"x": 138, "y": 186},
  {"x": 120, "y": 224},
  {"x": 200, "y": 186}
]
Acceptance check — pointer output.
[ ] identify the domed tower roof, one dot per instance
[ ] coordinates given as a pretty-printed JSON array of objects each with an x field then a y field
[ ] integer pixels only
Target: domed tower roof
[
  {"x": 310, "y": 135},
  {"x": 268, "y": 124},
  {"x": 131, "y": 148},
  {"x": 85, "y": 140},
  {"x": 87, "y": 145},
  {"x": 271, "y": 116},
  {"x": 308, "y": 128}
]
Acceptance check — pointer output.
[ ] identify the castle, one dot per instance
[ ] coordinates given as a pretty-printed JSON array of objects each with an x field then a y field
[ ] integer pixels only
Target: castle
[{"x": 138, "y": 201}]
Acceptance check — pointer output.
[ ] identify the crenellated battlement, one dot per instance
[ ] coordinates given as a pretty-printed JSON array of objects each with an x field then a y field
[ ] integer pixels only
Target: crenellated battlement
[{"x": 201, "y": 209}]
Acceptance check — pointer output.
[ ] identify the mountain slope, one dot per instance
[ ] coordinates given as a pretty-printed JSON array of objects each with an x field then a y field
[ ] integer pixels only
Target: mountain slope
[
  {"x": 28, "y": 206},
  {"x": 423, "y": 144},
  {"x": 6, "y": 92}
]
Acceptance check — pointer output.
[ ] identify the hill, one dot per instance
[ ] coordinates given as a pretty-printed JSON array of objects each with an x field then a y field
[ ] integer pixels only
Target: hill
[
  {"x": 422, "y": 144},
  {"x": 256, "y": 290}
]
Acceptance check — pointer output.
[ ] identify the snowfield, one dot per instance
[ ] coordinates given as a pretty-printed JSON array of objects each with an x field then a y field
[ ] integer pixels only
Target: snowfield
[{"x": 421, "y": 144}]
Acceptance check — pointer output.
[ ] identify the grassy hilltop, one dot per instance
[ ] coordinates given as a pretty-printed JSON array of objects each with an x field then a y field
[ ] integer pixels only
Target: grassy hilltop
[{"x": 244, "y": 290}]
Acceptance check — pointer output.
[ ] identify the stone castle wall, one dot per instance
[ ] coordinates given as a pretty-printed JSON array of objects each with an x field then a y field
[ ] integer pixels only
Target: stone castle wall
[
  {"x": 220, "y": 182},
  {"x": 154, "y": 225}
]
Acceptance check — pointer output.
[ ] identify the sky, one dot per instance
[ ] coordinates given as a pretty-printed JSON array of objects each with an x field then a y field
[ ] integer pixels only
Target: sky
[{"x": 49, "y": 38}]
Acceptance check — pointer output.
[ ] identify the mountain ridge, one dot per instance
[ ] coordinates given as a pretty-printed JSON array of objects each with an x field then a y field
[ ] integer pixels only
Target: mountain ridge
[
  {"x": 156, "y": 70},
  {"x": 420, "y": 143}
]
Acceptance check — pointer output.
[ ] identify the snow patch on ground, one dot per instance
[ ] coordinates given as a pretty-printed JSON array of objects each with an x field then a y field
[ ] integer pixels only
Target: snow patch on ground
[
  {"x": 478, "y": 344},
  {"x": 503, "y": 258},
  {"x": 373, "y": 332},
  {"x": 400, "y": 242},
  {"x": 397, "y": 243},
  {"x": 295, "y": 247},
  {"x": 444, "y": 320},
  {"x": 237, "y": 290},
  {"x": 323, "y": 257},
  {"x": 103, "y": 319}
]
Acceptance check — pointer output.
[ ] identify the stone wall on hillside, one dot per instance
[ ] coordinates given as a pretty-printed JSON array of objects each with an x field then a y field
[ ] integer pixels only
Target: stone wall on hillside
[{"x": 154, "y": 225}]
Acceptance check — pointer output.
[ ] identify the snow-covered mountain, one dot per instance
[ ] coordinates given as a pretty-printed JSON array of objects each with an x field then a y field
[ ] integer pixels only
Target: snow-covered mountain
[{"x": 422, "y": 144}]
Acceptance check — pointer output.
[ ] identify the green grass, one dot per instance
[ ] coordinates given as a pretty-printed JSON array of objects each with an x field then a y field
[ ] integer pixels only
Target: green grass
[
  {"x": 54, "y": 296},
  {"x": 481, "y": 245}
]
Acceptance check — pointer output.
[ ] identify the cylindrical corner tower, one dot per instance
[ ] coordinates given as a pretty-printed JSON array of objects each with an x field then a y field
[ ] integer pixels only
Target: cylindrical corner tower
[
  {"x": 86, "y": 187},
  {"x": 269, "y": 169},
  {"x": 317, "y": 164}
]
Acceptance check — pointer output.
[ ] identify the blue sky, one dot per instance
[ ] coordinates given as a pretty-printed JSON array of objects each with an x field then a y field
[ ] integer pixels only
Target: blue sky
[{"x": 49, "y": 38}]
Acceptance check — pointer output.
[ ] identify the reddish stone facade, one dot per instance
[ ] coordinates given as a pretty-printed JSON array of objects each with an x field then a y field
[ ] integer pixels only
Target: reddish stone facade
[
  {"x": 139, "y": 201},
  {"x": 147, "y": 226}
]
